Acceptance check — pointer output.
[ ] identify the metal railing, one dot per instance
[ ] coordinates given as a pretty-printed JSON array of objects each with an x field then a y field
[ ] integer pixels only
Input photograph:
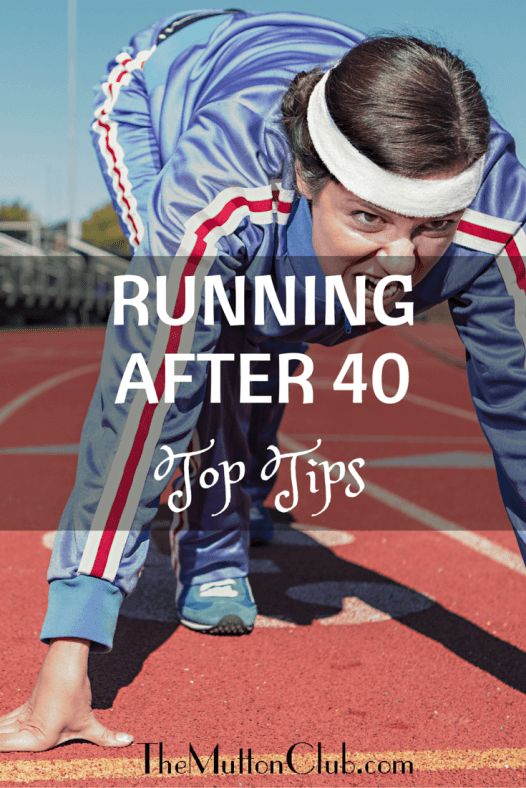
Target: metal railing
[{"x": 72, "y": 287}]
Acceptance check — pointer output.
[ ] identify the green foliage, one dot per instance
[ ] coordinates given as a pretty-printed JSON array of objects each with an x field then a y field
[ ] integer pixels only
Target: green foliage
[
  {"x": 102, "y": 229},
  {"x": 14, "y": 212}
]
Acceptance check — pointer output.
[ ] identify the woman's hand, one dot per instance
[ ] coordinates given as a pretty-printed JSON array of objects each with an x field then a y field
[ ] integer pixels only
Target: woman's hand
[{"x": 59, "y": 708}]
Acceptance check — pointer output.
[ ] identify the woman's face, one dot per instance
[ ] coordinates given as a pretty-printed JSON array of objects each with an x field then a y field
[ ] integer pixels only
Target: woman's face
[{"x": 351, "y": 236}]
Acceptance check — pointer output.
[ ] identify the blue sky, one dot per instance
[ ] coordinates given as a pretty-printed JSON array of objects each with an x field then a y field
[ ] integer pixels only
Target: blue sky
[{"x": 33, "y": 154}]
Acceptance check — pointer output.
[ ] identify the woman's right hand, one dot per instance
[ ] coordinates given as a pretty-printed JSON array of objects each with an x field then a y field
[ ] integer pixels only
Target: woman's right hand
[{"x": 59, "y": 708}]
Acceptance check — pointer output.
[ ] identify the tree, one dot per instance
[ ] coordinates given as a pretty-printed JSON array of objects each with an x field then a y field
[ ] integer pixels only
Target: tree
[
  {"x": 14, "y": 212},
  {"x": 102, "y": 229}
]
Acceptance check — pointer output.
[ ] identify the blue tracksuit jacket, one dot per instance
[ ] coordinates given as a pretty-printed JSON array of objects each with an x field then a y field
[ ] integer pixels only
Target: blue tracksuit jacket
[{"x": 209, "y": 139}]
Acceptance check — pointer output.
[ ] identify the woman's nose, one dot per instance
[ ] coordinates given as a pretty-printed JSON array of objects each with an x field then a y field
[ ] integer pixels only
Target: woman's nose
[{"x": 398, "y": 257}]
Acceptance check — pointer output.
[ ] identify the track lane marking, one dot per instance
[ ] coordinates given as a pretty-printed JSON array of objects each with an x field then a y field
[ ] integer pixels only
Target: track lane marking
[
  {"x": 35, "y": 391},
  {"x": 65, "y": 448},
  {"x": 424, "y": 402},
  {"x": 479, "y": 544},
  {"x": 62, "y": 769},
  {"x": 388, "y": 438}
]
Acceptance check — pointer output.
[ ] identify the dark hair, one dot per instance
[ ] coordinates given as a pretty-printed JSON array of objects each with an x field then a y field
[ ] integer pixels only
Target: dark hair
[{"x": 412, "y": 107}]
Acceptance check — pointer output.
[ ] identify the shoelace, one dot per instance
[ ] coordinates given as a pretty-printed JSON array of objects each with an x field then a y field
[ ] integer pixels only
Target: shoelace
[{"x": 219, "y": 588}]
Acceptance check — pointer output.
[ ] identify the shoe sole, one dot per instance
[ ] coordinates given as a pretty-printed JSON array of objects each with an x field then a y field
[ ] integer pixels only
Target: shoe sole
[{"x": 228, "y": 625}]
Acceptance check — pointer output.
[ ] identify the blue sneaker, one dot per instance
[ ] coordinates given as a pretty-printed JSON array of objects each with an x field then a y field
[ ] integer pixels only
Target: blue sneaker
[
  {"x": 261, "y": 525},
  {"x": 220, "y": 607}
]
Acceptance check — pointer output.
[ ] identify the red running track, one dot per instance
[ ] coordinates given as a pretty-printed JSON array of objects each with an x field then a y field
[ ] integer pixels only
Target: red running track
[{"x": 377, "y": 628}]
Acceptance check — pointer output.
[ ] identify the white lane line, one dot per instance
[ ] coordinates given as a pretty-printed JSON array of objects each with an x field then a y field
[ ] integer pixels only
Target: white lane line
[
  {"x": 358, "y": 602},
  {"x": 35, "y": 391},
  {"x": 378, "y": 438},
  {"x": 66, "y": 448},
  {"x": 305, "y": 535},
  {"x": 48, "y": 539},
  {"x": 443, "y": 459},
  {"x": 273, "y": 622},
  {"x": 424, "y": 516},
  {"x": 424, "y": 402}
]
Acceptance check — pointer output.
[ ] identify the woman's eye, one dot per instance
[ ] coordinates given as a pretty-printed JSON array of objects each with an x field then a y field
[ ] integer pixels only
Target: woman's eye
[
  {"x": 439, "y": 225},
  {"x": 369, "y": 220}
]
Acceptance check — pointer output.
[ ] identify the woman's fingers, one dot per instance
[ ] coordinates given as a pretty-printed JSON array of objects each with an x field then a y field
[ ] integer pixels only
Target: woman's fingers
[
  {"x": 10, "y": 725},
  {"x": 97, "y": 733},
  {"x": 20, "y": 738},
  {"x": 23, "y": 740},
  {"x": 15, "y": 714}
]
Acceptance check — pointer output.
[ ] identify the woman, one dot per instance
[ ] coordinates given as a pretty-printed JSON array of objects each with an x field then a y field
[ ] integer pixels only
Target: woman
[{"x": 387, "y": 163}]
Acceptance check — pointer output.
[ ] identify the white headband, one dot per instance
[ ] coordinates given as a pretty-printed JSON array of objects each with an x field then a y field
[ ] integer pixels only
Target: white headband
[{"x": 406, "y": 196}]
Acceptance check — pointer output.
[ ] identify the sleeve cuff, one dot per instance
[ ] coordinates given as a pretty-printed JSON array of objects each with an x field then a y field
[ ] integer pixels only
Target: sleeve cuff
[{"x": 82, "y": 607}]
